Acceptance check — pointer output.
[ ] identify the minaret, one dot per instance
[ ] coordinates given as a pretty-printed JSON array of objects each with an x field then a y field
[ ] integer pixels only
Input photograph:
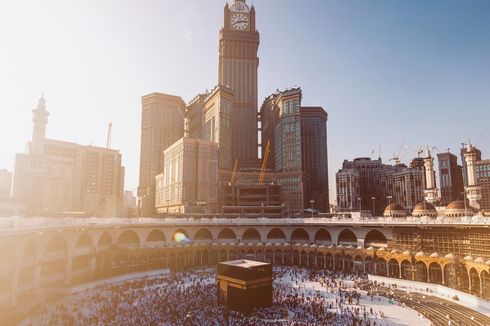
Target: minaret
[
  {"x": 40, "y": 120},
  {"x": 472, "y": 191},
  {"x": 430, "y": 187}
]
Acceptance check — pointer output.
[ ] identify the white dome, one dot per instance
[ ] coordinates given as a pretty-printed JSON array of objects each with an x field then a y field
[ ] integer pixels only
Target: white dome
[
  {"x": 370, "y": 248},
  {"x": 434, "y": 255},
  {"x": 394, "y": 251},
  {"x": 420, "y": 254},
  {"x": 450, "y": 256},
  {"x": 407, "y": 253},
  {"x": 468, "y": 258},
  {"x": 480, "y": 260}
]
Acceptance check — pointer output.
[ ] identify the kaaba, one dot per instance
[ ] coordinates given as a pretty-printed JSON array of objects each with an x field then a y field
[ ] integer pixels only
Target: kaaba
[{"x": 244, "y": 285}]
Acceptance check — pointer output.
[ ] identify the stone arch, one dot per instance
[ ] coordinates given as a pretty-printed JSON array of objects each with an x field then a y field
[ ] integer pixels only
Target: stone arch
[
  {"x": 296, "y": 257},
  {"x": 338, "y": 261},
  {"x": 227, "y": 235},
  {"x": 278, "y": 257},
  {"x": 485, "y": 284},
  {"x": 462, "y": 277},
  {"x": 57, "y": 243},
  {"x": 155, "y": 236},
  {"x": 55, "y": 259},
  {"x": 203, "y": 234},
  {"x": 276, "y": 235},
  {"x": 435, "y": 273},
  {"x": 358, "y": 264},
  {"x": 474, "y": 281},
  {"x": 406, "y": 270},
  {"x": 105, "y": 240},
  {"x": 348, "y": 263},
  {"x": 251, "y": 235},
  {"x": 347, "y": 237},
  {"x": 320, "y": 260},
  {"x": 84, "y": 241},
  {"x": 420, "y": 271},
  {"x": 128, "y": 237},
  {"x": 375, "y": 238},
  {"x": 370, "y": 265},
  {"x": 304, "y": 258},
  {"x": 381, "y": 267},
  {"x": 322, "y": 236},
  {"x": 393, "y": 268},
  {"x": 329, "y": 261},
  {"x": 287, "y": 256},
  {"x": 299, "y": 235},
  {"x": 311, "y": 259}
]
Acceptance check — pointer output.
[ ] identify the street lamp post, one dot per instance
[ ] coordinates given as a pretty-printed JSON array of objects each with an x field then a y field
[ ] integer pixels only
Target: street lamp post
[{"x": 312, "y": 202}]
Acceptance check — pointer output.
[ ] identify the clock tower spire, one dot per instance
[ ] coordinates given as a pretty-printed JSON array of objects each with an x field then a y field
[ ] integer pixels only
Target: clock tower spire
[{"x": 238, "y": 69}]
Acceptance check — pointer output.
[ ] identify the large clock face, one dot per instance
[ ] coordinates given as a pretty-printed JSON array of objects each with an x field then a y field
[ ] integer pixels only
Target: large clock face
[{"x": 239, "y": 21}]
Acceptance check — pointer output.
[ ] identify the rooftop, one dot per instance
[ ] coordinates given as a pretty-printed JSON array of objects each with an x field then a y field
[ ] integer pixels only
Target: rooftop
[{"x": 245, "y": 263}]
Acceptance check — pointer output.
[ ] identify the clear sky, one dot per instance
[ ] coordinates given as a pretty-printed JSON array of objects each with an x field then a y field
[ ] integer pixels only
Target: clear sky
[{"x": 387, "y": 72}]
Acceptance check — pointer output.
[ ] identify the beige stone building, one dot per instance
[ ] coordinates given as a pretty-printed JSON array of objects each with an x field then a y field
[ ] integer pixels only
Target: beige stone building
[
  {"x": 162, "y": 124},
  {"x": 189, "y": 182},
  {"x": 58, "y": 178}
]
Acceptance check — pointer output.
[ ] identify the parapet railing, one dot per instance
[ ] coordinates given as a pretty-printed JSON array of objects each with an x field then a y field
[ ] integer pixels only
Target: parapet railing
[{"x": 33, "y": 223}]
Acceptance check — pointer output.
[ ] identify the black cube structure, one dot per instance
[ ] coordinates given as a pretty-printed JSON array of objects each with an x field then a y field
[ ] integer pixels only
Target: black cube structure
[{"x": 244, "y": 285}]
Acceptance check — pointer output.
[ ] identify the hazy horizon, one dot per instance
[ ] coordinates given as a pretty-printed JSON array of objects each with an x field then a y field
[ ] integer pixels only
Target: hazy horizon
[{"x": 387, "y": 72}]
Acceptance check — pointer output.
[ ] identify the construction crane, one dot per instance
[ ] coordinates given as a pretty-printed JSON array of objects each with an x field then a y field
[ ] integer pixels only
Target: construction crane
[
  {"x": 396, "y": 157},
  {"x": 264, "y": 162},
  {"x": 109, "y": 135},
  {"x": 419, "y": 150}
]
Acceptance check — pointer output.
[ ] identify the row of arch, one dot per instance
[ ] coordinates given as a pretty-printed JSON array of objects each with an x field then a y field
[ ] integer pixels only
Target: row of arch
[{"x": 130, "y": 238}]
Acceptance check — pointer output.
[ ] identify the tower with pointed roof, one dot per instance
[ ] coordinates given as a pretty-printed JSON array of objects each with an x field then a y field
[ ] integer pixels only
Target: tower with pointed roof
[
  {"x": 40, "y": 120},
  {"x": 430, "y": 187},
  {"x": 472, "y": 190}
]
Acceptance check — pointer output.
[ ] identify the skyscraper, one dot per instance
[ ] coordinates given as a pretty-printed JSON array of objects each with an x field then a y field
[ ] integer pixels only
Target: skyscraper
[
  {"x": 281, "y": 139},
  {"x": 238, "y": 67},
  {"x": 450, "y": 177},
  {"x": 315, "y": 157},
  {"x": 162, "y": 124}
]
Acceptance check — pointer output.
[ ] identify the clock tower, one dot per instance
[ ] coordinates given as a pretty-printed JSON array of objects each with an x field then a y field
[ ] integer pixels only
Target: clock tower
[{"x": 238, "y": 68}]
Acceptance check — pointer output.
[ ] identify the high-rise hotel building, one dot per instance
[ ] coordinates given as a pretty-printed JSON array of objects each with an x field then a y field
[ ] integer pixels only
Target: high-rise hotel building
[
  {"x": 238, "y": 70},
  {"x": 162, "y": 124}
]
